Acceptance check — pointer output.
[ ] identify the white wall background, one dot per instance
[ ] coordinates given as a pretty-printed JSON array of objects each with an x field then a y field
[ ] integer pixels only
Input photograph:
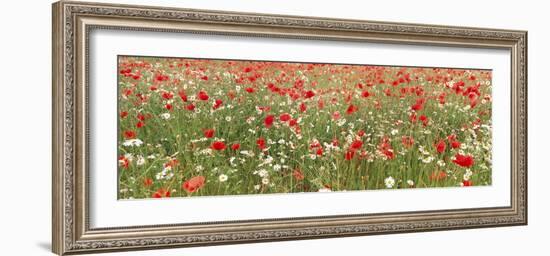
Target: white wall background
[{"x": 25, "y": 117}]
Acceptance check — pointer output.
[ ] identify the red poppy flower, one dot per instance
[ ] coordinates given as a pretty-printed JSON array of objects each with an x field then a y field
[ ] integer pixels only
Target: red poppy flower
[
  {"x": 205, "y": 78},
  {"x": 360, "y": 133},
  {"x": 298, "y": 175},
  {"x": 168, "y": 106},
  {"x": 129, "y": 134},
  {"x": 455, "y": 144},
  {"x": 209, "y": 133},
  {"x": 160, "y": 77},
  {"x": 440, "y": 146},
  {"x": 217, "y": 103},
  {"x": 160, "y": 193},
  {"x": 268, "y": 121},
  {"x": 123, "y": 114},
  {"x": 147, "y": 182},
  {"x": 319, "y": 152},
  {"x": 190, "y": 107},
  {"x": 284, "y": 117},
  {"x": 250, "y": 89},
  {"x": 407, "y": 141},
  {"x": 140, "y": 124},
  {"x": 385, "y": 148},
  {"x": 451, "y": 137},
  {"x": 336, "y": 115},
  {"x": 467, "y": 183},
  {"x": 351, "y": 109},
  {"x": 202, "y": 95},
  {"x": 424, "y": 120},
  {"x": 412, "y": 118},
  {"x": 141, "y": 117},
  {"x": 349, "y": 155},
  {"x": 218, "y": 145},
  {"x": 365, "y": 94},
  {"x": 171, "y": 163},
  {"x": 167, "y": 95},
  {"x": 261, "y": 143},
  {"x": 293, "y": 122},
  {"x": 124, "y": 162},
  {"x": 419, "y": 105},
  {"x": 182, "y": 95},
  {"x": 356, "y": 144},
  {"x": 236, "y": 146},
  {"x": 309, "y": 94},
  {"x": 463, "y": 160},
  {"x": 438, "y": 175},
  {"x": 388, "y": 153},
  {"x": 303, "y": 107},
  {"x": 193, "y": 184}
]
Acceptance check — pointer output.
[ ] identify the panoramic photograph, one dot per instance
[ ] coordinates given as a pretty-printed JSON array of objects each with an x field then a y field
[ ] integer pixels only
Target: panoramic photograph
[{"x": 211, "y": 127}]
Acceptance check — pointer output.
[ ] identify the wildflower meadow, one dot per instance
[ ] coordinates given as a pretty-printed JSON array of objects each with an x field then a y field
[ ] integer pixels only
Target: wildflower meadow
[{"x": 202, "y": 127}]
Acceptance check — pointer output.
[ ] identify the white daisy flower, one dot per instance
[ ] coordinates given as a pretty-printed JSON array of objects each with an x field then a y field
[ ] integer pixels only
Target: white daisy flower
[
  {"x": 222, "y": 178},
  {"x": 389, "y": 182}
]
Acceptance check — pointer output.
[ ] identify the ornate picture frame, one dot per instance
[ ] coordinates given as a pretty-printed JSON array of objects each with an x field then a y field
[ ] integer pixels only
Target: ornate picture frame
[{"x": 72, "y": 24}]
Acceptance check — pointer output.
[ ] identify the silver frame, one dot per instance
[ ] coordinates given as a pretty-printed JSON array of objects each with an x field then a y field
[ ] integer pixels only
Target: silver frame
[{"x": 72, "y": 22}]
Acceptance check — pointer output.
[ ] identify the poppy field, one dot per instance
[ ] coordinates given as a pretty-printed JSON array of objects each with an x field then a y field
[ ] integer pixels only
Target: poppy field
[{"x": 203, "y": 127}]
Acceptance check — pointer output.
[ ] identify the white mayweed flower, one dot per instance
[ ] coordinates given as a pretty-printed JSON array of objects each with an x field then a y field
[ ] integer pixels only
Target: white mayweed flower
[
  {"x": 199, "y": 168},
  {"x": 165, "y": 174},
  {"x": 389, "y": 182},
  {"x": 341, "y": 122},
  {"x": 238, "y": 88},
  {"x": 247, "y": 153},
  {"x": 222, "y": 178},
  {"x": 199, "y": 140},
  {"x": 232, "y": 161},
  {"x": 268, "y": 160},
  {"x": 427, "y": 159},
  {"x": 394, "y": 131},
  {"x": 441, "y": 163},
  {"x": 132, "y": 143},
  {"x": 151, "y": 157},
  {"x": 228, "y": 118},
  {"x": 257, "y": 187},
  {"x": 410, "y": 182},
  {"x": 140, "y": 160},
  {"x": 252, "y": 131},
  {"x": 281, "y": 141},
  {"x": 277, "y": 167},
  {"x": 206, "y": 151},
  {"x": 165, "y": 116},
  {"x": 250, "y": 120},
  {"x": 324, "y": 190},
  {"x": 262, "y": 173},
  {"x": 265, "y": 181},
  {"x": 468, "y": 174}
]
